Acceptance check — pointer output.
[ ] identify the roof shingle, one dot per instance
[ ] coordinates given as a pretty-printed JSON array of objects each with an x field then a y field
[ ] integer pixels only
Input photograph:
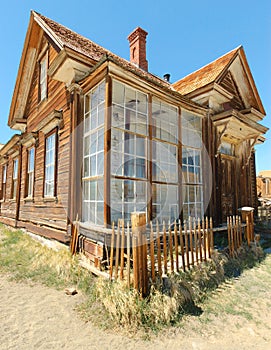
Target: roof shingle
[{"x": 205, "y": 75}]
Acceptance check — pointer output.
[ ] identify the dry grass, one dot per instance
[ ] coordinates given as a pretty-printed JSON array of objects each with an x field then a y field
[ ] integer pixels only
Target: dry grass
[{"x": 113, "y": 305}]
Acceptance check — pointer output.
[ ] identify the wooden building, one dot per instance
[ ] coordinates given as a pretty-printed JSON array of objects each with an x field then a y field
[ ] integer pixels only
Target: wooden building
[
  {"x": 100, "y": 137},
  {"x": 264, "y": 184}
]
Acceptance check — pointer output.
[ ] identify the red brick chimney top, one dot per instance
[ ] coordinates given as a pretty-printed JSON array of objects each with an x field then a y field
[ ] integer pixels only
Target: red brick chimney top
[{"x": 137, "y": 40}]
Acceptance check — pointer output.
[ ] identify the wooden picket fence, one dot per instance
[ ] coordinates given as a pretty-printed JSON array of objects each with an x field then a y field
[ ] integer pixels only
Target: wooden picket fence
[
  {"x": 142, "y": 255},
  {"x": 235, "y": 233}
]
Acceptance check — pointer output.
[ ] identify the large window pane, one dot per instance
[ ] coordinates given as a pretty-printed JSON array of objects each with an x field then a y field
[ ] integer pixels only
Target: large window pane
[
  {"x": 191, "y": 165},
  {"x": 165, "y": 121},
  {"x": 130, "y": 108},
  {"x": 93, "y": 153}
]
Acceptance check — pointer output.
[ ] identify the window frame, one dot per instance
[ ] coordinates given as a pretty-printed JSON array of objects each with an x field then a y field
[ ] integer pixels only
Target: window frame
[
  {"x": 50, "y": 134},
  {"x": 14, "y": 178},
  {"x": 3, "y": 184},
  {"x": 28, "y": 193},
  {"x": 192, "y": 146},
  {"x": 93, "y": 154},
  {"x": 43, "y": 81}
]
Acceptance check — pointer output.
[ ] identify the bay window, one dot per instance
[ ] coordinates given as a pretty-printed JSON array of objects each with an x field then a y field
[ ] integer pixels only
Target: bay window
[
  {"x": 93, "y": 156},
  {"x": 191, "y": 165},
  {"x": 129, "y": 147}
]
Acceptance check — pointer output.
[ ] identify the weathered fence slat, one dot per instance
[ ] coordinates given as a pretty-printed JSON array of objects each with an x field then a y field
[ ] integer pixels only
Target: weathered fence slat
[
  {"x": 159, "y": 261},
  {"x": 168, "y": 248},
  {"x": 176, "y": 246},
  {"x": 165, "y": 247},
  {"x": 112, "y": 251}
]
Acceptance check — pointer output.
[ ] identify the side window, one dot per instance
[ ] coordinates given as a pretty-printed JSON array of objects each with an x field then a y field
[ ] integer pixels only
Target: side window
[
  {"x": 50, "y": 166},
  {"x": 4, "y": 181},
  {"x": 14, "y": 179},
  {"x": 30, "y": 172},
  {"x": 43, "y": 77}
]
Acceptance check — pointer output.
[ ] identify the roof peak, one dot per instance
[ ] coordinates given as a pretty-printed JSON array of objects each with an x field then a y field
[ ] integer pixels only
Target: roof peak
[{"x": 215, "y": 60}]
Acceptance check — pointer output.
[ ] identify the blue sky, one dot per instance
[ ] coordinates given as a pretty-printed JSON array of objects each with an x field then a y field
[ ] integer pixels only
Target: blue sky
[{"x": 183, "y": 36}]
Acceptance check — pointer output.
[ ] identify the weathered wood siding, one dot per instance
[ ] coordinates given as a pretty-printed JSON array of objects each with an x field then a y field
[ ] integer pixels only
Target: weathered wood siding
[{"x": 40, "y": 211}]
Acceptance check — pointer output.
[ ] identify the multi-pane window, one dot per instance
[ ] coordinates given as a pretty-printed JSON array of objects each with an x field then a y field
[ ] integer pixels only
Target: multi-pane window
[
  {"x": 165, "y": 121},
  {"x": 165, "y": 162},
  {"x": 4, "y": 181},
  {"x": 43, "y": 78},
  {"x": 165, "y": 202},
  {"x": 93, "y": 201},
  {"x": 129, "y": 153},
  {"x": 192, "y": 165},
  {"x": 129, "y": 145},
  {"x": 15, "y": 178},
  {"x": 30, "y": 172},
  {"x": 130, "y": 109},
  {"x": 50, "y": 166},
  {"x": 127, "y": 196},
  {"x": 93, "y": 153}
]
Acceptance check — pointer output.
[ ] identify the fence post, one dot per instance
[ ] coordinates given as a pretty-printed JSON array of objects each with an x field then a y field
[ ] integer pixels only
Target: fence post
[{"x": 138, "y": 220}]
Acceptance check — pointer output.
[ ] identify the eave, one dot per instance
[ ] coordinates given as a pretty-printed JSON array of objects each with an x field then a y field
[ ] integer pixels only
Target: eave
[
  {"x": 11, "y": 146},
  {"x": 69, "y": 66},
  {"x": 235, "y": 127},
  {"x": 25, "y": 72}
]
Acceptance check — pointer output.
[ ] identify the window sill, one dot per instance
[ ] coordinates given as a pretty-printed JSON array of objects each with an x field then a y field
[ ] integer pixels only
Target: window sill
[
  {"x": 28, "y": 199},
  {"x": 50, "y": 199}
]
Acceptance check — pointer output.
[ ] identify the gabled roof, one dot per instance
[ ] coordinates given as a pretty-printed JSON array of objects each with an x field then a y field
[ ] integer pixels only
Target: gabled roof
[
  {"x": 77, "y": 47},
  {"x": 205, "y": 75},
  {"x": 65, "y": 37},
  {"x": 215, "y": 71}
]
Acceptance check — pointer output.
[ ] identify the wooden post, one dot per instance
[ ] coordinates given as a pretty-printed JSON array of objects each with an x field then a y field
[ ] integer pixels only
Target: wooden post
[
  {"x": 170, "y": 249},
  {"x": 234, "y": 234},
  {"x": 200, "y": 240},
  {"x": 122, "y": 251},
  {"x": 182, "y": 245},
  {"x": 159, "y": 262},
  {"x": 191, "y": 240},
  {"x": 212, "y": 237},
  {"x": 176, "y": 246},
  {"x": 165, "y": 247},
  {"x": 138, "y": 230},
  {"x": 248, "y": 230},
  {"x": 252, "y": 226},
  {"x": 112, "y": 251},
  {"x": 204, "y": 239},
  {"x": 229, "y": 234},
  {"x": 207, "y": 237},
  {"x": 196, "y": 240},
  {"x": 186, "y": 245},
  {"x": 128, "y": 255},
  {"x": 117, "y": 251},
  {"x": 152, "y": 254}
]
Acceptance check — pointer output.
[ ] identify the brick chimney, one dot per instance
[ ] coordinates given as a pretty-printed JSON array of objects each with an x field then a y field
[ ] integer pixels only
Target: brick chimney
[{"x": 137, "y": 40}]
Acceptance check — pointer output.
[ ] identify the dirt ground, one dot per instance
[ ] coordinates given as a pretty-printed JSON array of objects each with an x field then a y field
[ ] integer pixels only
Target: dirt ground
[{"x": 236, "y": 316}]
